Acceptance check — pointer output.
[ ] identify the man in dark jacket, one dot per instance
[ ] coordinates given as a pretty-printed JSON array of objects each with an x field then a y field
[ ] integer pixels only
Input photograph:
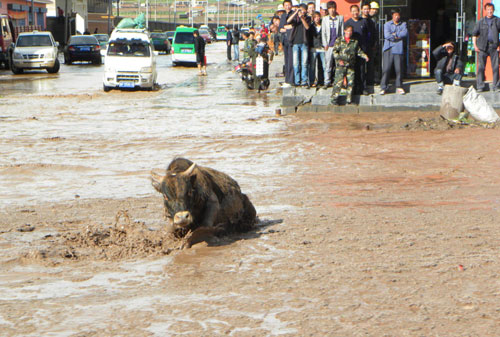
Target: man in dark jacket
[
  {"x": 449, "y": 67},
  {"x": 301, "y": 23},
  {"x": 199, "y": 50},
  {"x": 229, "y": 42},
  {"x": 485, "y": 39},
  {"x": 236, "y": 43},
  {"x": 360, "y": 33},
  {"x": 285, "y": 30}
]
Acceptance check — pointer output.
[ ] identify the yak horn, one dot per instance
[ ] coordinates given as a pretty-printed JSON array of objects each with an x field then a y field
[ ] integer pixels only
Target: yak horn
[{"x": 190, "y": 170}]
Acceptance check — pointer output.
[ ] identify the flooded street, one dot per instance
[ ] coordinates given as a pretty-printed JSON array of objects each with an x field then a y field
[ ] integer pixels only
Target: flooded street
[
  {"x": 364, "y": 230},
  {"x": 65, "y": 131}
]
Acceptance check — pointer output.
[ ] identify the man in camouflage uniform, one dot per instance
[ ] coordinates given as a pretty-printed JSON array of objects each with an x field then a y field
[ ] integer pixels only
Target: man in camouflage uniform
[{"x": 345, "y": 51}]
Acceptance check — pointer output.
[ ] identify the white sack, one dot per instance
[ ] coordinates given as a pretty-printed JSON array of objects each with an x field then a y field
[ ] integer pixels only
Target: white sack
[{"x": 478, "y": 107}]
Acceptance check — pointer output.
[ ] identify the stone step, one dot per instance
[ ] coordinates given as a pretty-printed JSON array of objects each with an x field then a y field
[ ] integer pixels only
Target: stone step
[{"x": 417, "y": 98}]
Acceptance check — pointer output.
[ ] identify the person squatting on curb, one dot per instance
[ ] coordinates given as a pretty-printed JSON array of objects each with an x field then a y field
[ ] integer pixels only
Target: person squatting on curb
[{"x": 449, "y": 67}]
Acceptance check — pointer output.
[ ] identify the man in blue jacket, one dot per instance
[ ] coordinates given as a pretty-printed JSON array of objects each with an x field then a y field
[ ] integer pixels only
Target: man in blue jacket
[
  {"x": 485, "y": 39},
  {"x": 395, "y": 32}
]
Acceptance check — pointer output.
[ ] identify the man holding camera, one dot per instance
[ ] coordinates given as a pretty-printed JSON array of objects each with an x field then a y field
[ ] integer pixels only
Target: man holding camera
[{"x": 301, "y": 23}]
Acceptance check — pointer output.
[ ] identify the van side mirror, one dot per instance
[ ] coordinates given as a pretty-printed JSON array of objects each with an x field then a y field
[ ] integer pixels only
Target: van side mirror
[{"x": 57, "y": 44}]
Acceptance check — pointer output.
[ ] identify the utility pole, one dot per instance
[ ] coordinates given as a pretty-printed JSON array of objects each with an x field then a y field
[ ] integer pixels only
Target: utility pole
[
  {"x": 227, "y": 14},
  {"x": 65, "y": 22},
  {"x": 218, "y": 13},
  {"x": 109, "y": 16}
]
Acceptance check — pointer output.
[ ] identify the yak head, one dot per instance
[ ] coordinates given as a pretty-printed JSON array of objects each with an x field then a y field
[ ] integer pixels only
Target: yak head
[{"x": 179, "y": 193}]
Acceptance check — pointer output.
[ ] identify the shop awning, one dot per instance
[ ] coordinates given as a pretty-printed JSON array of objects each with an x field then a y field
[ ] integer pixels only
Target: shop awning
[{"x": 18, "y": 15}]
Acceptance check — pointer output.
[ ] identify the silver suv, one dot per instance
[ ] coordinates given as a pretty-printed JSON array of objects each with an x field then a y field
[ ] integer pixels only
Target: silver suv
[{"x": 35, "y": 50}]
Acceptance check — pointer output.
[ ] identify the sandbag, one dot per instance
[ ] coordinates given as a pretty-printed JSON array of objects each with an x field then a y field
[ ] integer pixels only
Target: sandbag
[
  {"x": 137, "y": 23},
  {"x": 478, "y": 107},
  {"x": 140, "y": 21},
  {"x": 126, "y": 23}
]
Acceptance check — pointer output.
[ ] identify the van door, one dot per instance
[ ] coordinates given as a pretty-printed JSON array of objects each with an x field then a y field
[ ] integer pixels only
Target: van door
[{"x": 5, "y": 34}]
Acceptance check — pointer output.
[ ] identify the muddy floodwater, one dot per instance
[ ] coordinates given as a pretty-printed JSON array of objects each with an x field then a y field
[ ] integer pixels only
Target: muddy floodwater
[{"x": 372, "y": 224}]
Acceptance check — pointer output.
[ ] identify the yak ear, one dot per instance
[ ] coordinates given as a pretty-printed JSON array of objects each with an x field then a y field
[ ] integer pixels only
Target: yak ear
[{"x": 156, "y": 181}]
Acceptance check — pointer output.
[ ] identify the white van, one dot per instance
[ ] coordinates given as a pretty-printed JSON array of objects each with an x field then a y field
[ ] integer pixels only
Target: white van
[{"x": 130, "y": 61}]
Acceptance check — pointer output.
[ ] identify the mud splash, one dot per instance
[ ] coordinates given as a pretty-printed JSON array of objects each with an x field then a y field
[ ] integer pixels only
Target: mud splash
[{"x": 123, "y": 239}]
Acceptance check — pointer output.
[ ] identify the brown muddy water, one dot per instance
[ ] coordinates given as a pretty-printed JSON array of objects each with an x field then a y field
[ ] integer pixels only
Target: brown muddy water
[{"x": 376, "y": 231}]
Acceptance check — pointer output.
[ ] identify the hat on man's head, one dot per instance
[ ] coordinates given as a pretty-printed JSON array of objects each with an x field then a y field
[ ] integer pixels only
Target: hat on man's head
[
  {"x": 374, "y": 4},
  {"x": 295, "y": 3},
  {"x": 323, "y": 6},
  {"x": 280, "y": 8}
]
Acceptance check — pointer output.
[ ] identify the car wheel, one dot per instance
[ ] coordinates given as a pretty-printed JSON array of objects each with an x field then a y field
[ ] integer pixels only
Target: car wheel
[
  {"x": 106, "y": 88},
  {"x": 250, "y": 84},
  {"x": 264, "y": 85},
  {"x": 97, "y": 61},
  {"x": 55, "y": 68},
  {"x": 15, "y": 69},
  {"x": 175, "y": 64}
]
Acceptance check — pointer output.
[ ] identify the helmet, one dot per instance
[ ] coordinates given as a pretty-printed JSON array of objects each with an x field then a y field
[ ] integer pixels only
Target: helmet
[{"x": 374, "y": 4}]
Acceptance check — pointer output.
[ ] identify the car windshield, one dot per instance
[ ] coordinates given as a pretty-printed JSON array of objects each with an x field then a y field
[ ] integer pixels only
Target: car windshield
[
  {"x": 102, "y": 38},
  {"x": 184, "y": 38},
  {"x": 128, "y": 48},
  {"x": 170, "y": 34},
  {"x": 34, "y": 41},
  {"x": 203, "y": 31},
  {"x": 158, "y": 36},
  {"x": 221, "y": 30},
  {"x": 83, "y": 39}
]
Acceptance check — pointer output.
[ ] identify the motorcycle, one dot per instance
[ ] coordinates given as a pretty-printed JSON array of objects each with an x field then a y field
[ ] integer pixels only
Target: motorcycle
[{"x": 249, "y": 71}]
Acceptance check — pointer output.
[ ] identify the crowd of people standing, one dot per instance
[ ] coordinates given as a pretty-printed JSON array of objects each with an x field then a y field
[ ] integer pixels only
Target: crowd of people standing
[
  {"x": 322, "y": 50},
  {"x": 317, "y": 52}
]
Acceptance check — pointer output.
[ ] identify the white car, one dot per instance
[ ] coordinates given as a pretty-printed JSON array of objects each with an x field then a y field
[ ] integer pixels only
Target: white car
[
  {"x": 130, "y": 60},
  {"x": 35, "y": 50}
]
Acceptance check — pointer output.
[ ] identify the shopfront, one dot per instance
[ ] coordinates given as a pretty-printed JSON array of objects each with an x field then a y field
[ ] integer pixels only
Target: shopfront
[{"x": 20, "y": 12}]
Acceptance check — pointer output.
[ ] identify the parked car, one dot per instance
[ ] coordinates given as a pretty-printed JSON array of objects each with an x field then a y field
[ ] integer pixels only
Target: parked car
[
  {"x": 210, "y": 31},
  {"x": 221, "y": 33},
  {"x": 170, "y": 37},
  {"x": 160, "y": 42},
  {"x": 35, "y": 50},
  {"x": 205, "y": 34},
  {"x": 82, "y": 48},
  {"x": 103, "y": 42},
  {"x": 130, "y": 61},
  {"x": 183, "y": 46}
]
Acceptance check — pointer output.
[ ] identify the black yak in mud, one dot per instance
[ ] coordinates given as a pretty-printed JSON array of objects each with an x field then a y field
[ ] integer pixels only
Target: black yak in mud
[{"x": 200, "y": 200}]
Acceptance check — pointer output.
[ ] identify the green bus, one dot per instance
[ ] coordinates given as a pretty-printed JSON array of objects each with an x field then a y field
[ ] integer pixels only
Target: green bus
[
  {"x": 183, "y": 46},
  {"x": 221, "y": 33}
]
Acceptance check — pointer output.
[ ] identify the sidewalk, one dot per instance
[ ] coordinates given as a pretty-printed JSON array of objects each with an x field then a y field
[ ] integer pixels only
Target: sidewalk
[{"x": 420, "y": 95}]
